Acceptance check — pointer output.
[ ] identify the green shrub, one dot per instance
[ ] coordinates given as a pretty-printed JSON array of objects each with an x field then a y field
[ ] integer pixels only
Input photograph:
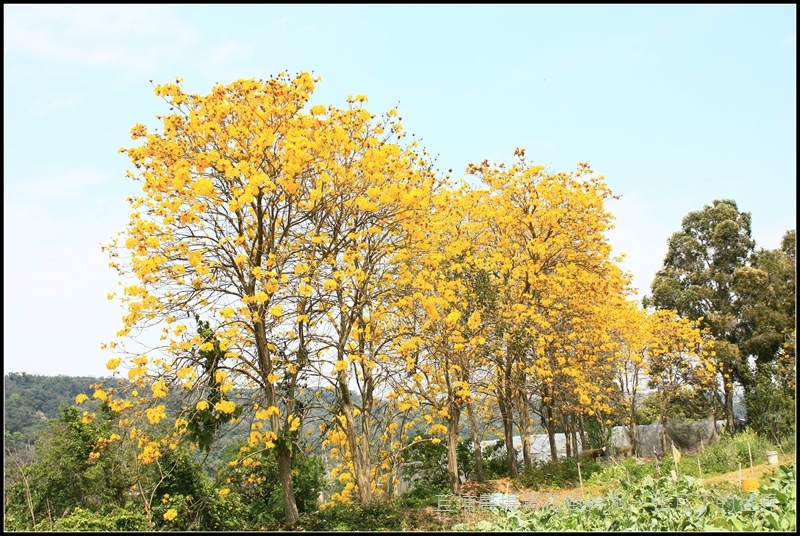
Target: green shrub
[
  {"x": 256, "y": 490},
  {"x": 82, "y": 520},
  {"x": 730, "y": 451},
  {"x": 598, "y": 434},
  {"x": 495, "y": 461},
  {"x": 771, "y": 404},
  {"x": 425, "y": 469},
  {"x": 349, "y": 518},
  {"x": 686, "y": 405},
  {"x": 558, "y": 475},
  {"x": 420, "y": 497}
]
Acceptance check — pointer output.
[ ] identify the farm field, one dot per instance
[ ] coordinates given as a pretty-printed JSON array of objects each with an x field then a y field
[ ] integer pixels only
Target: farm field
[{"x": 662, "y": 503}]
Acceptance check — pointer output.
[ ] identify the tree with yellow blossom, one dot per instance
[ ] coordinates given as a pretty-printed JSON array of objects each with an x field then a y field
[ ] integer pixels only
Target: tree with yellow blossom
[
  {"x": 550, "y": 259},
  {"x": 270, "y": 223},
  {"x": 445, "y": 342},
  {"x": 678, "y": 356}
]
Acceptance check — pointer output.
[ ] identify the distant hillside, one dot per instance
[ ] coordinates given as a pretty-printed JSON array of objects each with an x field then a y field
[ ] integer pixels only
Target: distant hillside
[{"x": 29, "y": 400}]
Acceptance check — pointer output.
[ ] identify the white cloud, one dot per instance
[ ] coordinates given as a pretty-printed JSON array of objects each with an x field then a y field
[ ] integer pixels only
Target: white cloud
[{"x": 96, "y": 36}]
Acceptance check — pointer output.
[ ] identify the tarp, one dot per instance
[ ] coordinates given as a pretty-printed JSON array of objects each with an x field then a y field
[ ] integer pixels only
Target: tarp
[
  {"x": 684, "y": 435},
  {"x": 540, "y": 447}
]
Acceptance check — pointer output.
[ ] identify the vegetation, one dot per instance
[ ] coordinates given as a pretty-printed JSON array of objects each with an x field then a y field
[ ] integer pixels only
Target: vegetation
[
  {"x": 662, "y": 503},
  {"x": 336, "y": 319},
  {"x": 563, "y": 474},
  {"x": 98, "y": 494},
  {"x": 30, "y": 401},
  {"x": 745, "y": 298}
]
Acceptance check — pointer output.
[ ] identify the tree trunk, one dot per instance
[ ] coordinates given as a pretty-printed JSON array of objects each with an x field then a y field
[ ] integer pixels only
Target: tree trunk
[
  {"x": 361, "y": 470},
  {"x": 525, "y": 429},
  {"x": 283, "y": 455},
  {"x": 729, "y": 416},
  {"x": 287, "y": 490},
  {"x": 582, "y": 430},
  {"x": 359, "y": 452},
  {"x": 503, "y": 401},
  {"x": 663, "y": 420},
  {"x": 567, "y": 438},
  {"x": 573, "y": 430},
  {"x": 632, "y": 423},
  {"x": 452, "y": 453},
  {"x": 550, "y": 425},
  {"x": 476, "y": 444}
]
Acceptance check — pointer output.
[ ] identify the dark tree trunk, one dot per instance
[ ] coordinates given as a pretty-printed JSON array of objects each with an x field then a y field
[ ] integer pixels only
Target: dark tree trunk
[
  {"x": 525, "y": 429},
  {"x": 550, "y": 424},
  {"x": 287, "y": 491},
  {"x": 476, "y": 445},
  {"x": 504, "y": 404},
  {"x": 452, "y": 453}
]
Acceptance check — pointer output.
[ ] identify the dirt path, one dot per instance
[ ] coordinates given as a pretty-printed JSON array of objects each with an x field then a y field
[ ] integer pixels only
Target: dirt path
[{"x": 761, "y": 472}]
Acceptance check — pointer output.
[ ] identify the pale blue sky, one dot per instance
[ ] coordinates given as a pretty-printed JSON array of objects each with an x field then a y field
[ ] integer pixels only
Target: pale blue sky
[{"x": 677, "y": 105}]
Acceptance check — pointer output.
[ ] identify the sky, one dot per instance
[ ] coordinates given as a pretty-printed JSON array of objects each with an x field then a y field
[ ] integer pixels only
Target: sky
[{"x": 675, "y": 105}]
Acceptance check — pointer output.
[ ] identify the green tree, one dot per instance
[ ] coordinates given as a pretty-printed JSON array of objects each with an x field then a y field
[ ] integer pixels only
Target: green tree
[
  {"x": 179, "y": 484},
  {"x": 31, "y": 400},
  {"x": 697, "y": 281},
  {"x": 65, "y": 474},
  {"x": 767, "y": 289},
  {"x": 771, "y": 402}
]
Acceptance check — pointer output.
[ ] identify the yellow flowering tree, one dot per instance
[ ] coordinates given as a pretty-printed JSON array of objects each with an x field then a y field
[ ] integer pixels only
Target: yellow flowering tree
[
  {"x": 551, "y": 262},
  {"x": 268, "y": 222},
  {"x": 629, "y": 335},
  {"x": 375, "y": 192},
  {"x": 679, "y": 356},
  {"x": 445, "y": 337}
]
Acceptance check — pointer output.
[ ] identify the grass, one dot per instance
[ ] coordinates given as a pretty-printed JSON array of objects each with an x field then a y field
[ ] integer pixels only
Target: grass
[{"x": 727, "y": 456}]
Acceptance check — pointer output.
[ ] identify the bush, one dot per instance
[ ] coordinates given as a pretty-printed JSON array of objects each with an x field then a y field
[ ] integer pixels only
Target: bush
[
  {"x": 495, "y": 461},
  {"x": 625, "y": 472},
  {"x": 722, "y": 457},
  {"x": 598, "y": 434},
  {"x": 558, "y": 475},
  {"x": 60, "y": 476},
  {"x": 253, "y": 483},
  {"x": 771, "y": 406},
  {"x": 422, "y": 496},
  {"x": 425, "y": 470},
  {"x": 687, "y": 405},
  {"x": 82, "y": 520},
  {"x": 352, "y": 517},
  {"x": 730, "y": 451}
]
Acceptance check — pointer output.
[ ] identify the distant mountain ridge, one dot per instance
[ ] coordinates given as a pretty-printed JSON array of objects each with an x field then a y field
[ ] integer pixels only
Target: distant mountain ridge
[{"x": 30, "y": 400}]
